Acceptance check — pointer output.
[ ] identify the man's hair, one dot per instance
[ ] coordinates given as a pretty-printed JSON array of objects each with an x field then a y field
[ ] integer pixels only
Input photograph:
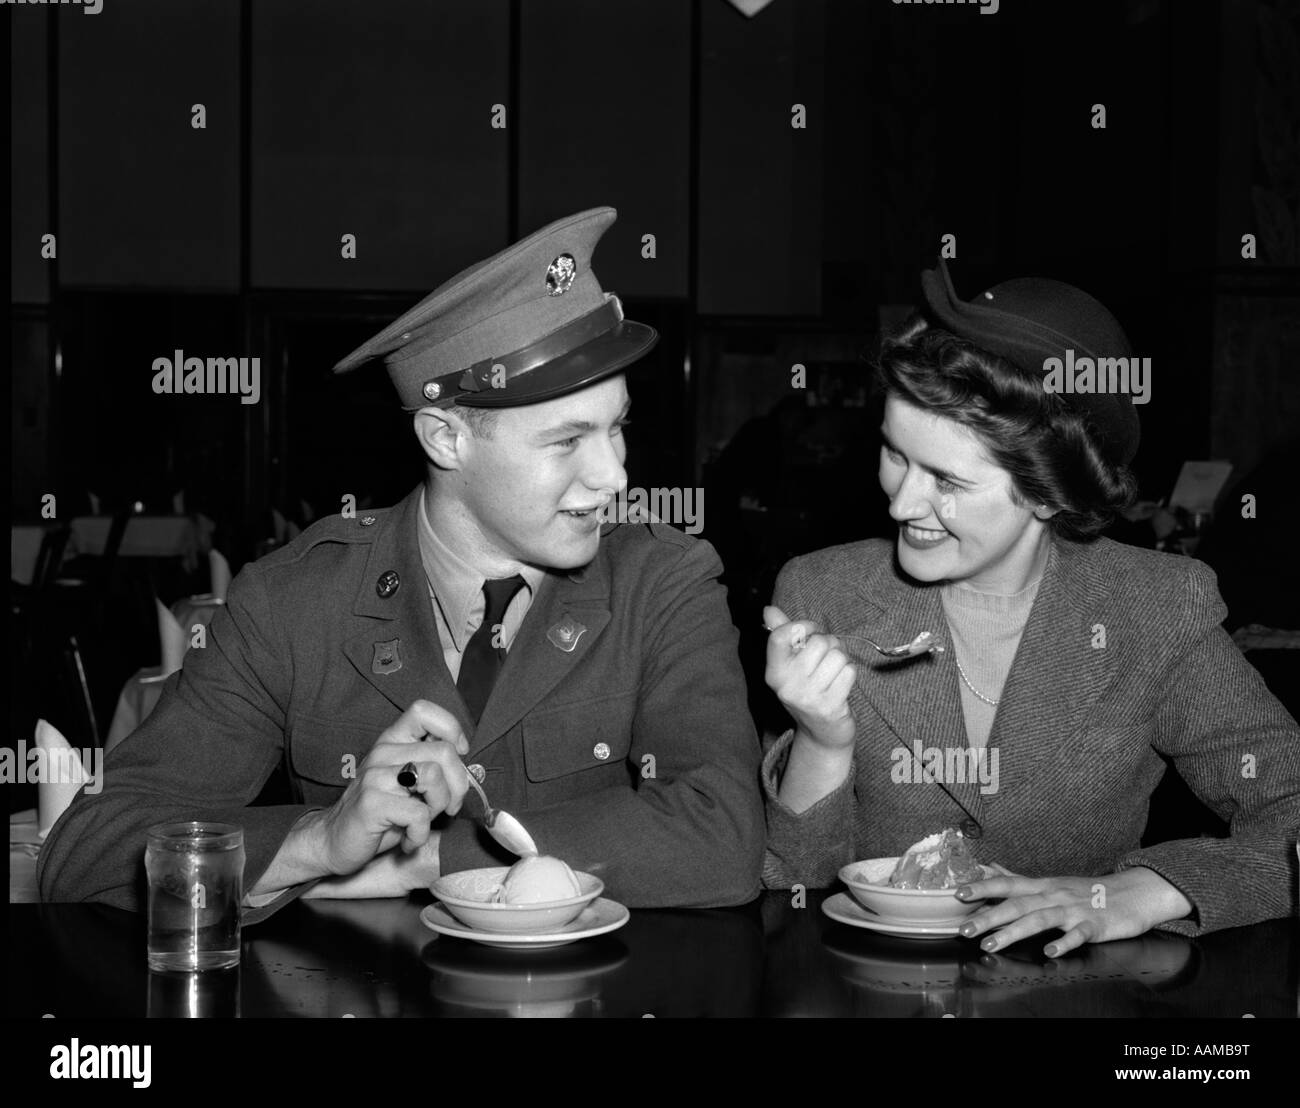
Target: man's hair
[
  {"x": 1049, "y": 450},
  {"x": 481, "y": 421}
]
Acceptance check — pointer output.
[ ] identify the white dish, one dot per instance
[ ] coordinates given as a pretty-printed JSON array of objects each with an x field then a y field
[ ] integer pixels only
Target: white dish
[
  {"x": 468, "y": 895},
  {"x": 868, "y": 881},
  {"x": 844, "y": 909},
  {"x": 599, "y": 918}
]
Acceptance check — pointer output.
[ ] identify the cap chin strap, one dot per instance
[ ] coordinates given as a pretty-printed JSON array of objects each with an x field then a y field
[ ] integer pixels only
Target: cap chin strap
[{"x": 493, "y": 373}]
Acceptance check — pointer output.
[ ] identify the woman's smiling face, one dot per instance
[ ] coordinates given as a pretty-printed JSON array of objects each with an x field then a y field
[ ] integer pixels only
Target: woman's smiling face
[{"x": 957, "y": 517}]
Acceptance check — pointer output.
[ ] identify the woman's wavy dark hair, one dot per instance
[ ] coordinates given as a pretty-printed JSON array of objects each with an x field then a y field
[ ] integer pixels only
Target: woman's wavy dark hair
[{"x": 1048, "y": 450}]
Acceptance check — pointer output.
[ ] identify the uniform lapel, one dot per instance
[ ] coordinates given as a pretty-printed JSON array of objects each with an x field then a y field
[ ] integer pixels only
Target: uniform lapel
[
  {"x": 562, "y": 626},
  {"x": 404, "y": 618}
]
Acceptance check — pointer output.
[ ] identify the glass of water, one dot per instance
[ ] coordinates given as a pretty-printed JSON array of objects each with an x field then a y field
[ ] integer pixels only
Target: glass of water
[{"x": 196, "y": 886}]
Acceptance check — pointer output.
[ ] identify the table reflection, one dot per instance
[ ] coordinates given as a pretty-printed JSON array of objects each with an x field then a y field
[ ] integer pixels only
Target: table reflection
[
  {"x": 213, "y": 994},
  {"x": 376, "y": 959},
  {"x": 469, "y": 980},
  {"x": 895, "y": 977}
]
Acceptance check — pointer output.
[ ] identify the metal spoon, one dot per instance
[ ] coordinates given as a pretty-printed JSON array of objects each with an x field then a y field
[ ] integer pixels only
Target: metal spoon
[
  {"x": 502, "y": 826},
  {"x": 924, "y": 643}
]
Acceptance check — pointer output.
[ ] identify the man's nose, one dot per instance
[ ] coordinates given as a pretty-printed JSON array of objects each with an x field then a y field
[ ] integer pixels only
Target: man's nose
[{"x": 605, "y": 469}]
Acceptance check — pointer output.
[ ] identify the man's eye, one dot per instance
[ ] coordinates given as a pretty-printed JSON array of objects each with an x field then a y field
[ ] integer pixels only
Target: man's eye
[
  {"x": 892, "y": 454},
  {"x": 946, "y": 486},
  {"x": 618, "y": 427},
  {"x": 568, "y": 443}
]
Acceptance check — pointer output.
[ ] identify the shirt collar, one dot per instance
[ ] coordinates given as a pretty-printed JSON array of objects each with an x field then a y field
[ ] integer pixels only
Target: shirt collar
[{"x": 455, "y": 585}]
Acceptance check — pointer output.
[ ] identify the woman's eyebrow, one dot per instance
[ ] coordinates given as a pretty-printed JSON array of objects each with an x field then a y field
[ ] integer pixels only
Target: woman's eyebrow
[{"x": 942, "y": 474}]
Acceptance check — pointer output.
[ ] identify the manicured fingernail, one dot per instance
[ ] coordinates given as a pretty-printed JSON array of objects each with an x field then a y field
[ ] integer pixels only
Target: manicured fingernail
[
  {"x": 990, "y": 943},
  {"x": 1051, "y": 951},
  {"x": 968, "y": 930},
  {"x": 963, "y": 893}
]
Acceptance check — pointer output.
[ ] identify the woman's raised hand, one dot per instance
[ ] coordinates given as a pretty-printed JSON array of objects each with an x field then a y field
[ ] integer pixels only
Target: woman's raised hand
[{"x": 811, "y": 676}]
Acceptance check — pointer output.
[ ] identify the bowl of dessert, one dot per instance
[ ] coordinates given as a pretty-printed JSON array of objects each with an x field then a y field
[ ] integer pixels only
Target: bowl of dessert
[
  {"x": 920, "y": 887},
  {"x": 537, "y": 894}
]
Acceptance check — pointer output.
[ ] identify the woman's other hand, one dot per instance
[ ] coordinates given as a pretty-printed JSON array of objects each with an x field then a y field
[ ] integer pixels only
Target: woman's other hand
[{"x": 1086, "y": 909}]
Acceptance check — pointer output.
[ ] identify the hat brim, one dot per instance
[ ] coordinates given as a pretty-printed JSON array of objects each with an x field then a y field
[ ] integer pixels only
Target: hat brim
[{"x": 584, "y": 365}]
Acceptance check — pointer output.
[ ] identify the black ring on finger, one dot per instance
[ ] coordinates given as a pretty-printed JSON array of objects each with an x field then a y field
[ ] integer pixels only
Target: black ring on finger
[{"x": 407, "y": 777}]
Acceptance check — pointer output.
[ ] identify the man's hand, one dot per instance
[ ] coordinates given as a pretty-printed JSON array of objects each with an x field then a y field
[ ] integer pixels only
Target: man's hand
[
  {"x": 1087, "y": 909},
  {"x": 375, "y": 814},
  {"x": 811, "y": 676}
]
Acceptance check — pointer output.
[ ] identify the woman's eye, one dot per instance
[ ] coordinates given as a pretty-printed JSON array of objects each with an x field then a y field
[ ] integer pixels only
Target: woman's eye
[
  {"x": 618, "y": 427},
  {"x": 892, "y": 454},
  {"x": 946, "y": 486}
]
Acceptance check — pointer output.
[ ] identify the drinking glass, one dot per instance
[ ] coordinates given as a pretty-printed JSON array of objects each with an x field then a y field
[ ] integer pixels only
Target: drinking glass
[{"x": 196, "y": 885}]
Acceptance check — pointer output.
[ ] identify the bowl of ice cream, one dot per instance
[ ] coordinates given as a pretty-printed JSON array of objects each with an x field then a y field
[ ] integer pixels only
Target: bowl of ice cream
[
  {"x": 919, "y": 886},
  {"x": 536, "y": 894}
]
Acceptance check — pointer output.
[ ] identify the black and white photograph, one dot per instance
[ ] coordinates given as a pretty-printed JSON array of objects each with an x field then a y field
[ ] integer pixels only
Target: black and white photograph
[{"x": 672, "y": 509}]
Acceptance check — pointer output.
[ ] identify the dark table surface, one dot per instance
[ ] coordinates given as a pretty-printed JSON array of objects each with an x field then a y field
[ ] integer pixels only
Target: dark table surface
[{"x": 375, "y": 958}]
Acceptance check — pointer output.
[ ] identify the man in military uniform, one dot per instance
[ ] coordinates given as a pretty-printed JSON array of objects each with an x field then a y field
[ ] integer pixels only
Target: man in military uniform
[{"x": 584, "y": 672}]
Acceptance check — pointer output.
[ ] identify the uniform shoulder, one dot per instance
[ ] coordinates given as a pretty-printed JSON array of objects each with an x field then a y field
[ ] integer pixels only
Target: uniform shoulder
[
  {"x": 337, "y": 528},
  {"x": 647, "y": 535}
]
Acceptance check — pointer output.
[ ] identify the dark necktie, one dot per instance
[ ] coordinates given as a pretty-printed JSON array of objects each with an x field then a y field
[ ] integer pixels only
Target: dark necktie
[{"x": 483, "y": 657}]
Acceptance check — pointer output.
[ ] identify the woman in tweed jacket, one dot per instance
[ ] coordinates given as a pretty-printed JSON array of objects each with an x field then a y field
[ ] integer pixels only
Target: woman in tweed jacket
[{"x": 1071, "y": 662}]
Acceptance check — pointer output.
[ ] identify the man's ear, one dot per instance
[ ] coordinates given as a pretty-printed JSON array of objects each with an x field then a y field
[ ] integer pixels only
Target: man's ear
[{"x": 443, "y": 436}]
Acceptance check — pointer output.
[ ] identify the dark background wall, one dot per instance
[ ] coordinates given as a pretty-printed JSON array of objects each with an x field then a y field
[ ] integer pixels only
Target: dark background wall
[{"x": 775, "y": 245}]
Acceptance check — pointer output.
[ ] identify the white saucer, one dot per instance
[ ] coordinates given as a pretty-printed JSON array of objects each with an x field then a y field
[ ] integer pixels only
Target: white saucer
[
  {"x": 599, "y": 917},
  {"x": 844, "y": 909}
]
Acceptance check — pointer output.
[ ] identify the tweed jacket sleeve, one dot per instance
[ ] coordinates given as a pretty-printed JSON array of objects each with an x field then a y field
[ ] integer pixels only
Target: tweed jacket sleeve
[
  {"x": 1239, "y": 751},
  {"x": 809, "y": 846}
]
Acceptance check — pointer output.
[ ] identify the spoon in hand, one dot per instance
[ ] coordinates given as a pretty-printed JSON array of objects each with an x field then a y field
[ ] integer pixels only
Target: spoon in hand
[
  {"x": 924, "y": 643},
  {"x": 502, "y": 826}
]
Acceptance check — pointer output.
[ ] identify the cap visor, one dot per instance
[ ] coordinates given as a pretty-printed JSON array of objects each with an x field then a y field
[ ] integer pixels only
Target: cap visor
[{"x": 603, "y": 356}]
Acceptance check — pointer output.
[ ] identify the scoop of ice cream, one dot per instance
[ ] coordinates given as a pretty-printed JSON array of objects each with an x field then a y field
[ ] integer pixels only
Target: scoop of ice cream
[
  {"x": 940, "y": 861},
  {"x": 537, "y": 880}
]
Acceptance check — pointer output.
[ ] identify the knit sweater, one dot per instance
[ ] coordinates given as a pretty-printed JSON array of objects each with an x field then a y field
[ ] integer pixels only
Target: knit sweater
[{"x": 985, "y": 629}]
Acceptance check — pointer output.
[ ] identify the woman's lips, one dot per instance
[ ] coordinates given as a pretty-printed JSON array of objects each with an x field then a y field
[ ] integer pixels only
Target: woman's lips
[{"x": 922, "y": 538}]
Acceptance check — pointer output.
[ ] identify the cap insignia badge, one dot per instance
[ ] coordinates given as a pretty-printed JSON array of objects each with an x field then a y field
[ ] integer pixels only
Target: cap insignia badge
[{"x": 560, "y": 274}]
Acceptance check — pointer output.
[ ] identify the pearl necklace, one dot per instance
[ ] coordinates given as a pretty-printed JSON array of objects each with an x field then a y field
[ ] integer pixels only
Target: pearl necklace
[{"x": 991, "y": 703}]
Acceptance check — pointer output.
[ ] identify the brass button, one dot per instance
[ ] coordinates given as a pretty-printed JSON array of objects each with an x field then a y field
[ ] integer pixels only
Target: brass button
[
  {"x": 601, "y": 751},
  {"x": 432, "y": 390},
  {"x": 388, "y": 583},
  {"x": 477, "y": 772}
]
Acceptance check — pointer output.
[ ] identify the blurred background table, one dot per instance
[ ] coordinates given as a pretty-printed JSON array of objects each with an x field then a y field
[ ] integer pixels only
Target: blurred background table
[
  {"x": 375, "y": 958},
  {"x": 184, "y": 537},
  {"x": 179, "y": 536}
]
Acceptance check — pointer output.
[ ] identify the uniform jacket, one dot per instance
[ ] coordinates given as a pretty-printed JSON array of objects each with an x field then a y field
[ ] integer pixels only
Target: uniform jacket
[
  {"x": 617, "y": 730},
  {"x": 1079, "y": 731}
]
